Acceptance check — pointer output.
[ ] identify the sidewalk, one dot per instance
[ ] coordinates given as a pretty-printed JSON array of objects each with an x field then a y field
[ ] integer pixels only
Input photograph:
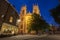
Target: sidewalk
[
  {"x": 54, "y": 36},
  {"x": 29, "y": 36},
  {"x": 23, "y": 37}
]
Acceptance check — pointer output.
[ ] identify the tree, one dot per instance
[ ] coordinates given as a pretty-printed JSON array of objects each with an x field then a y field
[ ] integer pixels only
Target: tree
[
  {"x": 37, "y": 23},
  {"x": 55, "y": 13}
]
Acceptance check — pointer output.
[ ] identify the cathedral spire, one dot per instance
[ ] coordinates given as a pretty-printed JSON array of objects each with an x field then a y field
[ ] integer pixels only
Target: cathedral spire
[
  {"x": 36, "y": 9},
  {"x": 23, "y": 10}
]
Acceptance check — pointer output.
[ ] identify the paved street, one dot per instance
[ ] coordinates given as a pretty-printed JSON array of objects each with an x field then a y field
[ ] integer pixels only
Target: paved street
[{"x": 32, "y": 37}]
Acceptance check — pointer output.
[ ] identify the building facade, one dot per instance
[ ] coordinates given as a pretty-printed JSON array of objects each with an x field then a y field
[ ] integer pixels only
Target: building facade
[
  {"x": 8, "y": 14},
  {"x": 25, "y": 18}
]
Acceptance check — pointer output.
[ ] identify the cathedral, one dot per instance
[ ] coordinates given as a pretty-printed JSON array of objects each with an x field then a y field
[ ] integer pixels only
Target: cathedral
[{"x": 25, "y": 18}]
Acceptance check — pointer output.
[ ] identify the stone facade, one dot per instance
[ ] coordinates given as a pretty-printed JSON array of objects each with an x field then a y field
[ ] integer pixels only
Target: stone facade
[{"x": 25, "y": 18}]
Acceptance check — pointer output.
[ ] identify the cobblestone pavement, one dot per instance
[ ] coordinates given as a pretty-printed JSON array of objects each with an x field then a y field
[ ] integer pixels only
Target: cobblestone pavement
[{"x": 33, "y": 37}]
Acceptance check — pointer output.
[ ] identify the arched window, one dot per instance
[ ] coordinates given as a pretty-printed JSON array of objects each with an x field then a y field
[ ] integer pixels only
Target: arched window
[{"x": 11, "y": 19}]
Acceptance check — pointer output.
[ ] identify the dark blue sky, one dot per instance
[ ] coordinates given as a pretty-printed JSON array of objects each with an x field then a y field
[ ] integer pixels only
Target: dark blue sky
[{"x": 44, "y": 6}]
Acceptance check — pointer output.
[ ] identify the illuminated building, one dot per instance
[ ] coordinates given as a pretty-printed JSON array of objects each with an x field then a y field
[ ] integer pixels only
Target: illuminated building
[{"x": 26, "y": 17}]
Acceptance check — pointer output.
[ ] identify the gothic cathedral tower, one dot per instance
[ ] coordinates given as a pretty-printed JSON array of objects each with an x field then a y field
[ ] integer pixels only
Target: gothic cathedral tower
[
  {"x": 36, "y": 9},
  {"x": 23, "y": 12}
]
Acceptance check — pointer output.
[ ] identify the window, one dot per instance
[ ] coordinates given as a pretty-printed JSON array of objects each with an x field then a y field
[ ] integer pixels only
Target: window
[
  {"x": 2, "y": 16},
  {"x": 11, "y": 19}
]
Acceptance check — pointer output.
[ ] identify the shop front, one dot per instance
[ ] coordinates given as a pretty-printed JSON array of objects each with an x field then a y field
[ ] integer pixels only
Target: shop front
[{"x": 8, "y": 29}]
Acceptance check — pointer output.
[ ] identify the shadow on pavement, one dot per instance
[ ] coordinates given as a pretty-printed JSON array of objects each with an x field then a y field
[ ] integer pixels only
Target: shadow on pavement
[{"x": 2, "y": 36}]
